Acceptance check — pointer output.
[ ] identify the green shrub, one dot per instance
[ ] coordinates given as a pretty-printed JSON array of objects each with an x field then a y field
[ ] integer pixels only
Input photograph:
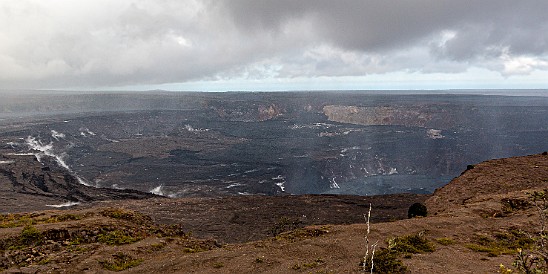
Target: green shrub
[
  {"x": 30, "y": 236},
  {"x": 16, "y": 220},
  {"x": 491, "y": 251},
  {"x": 120, "y": 262},
  {"x": 501, "y": 243},
  {"x": 385, "y": 261},
  {"x": 532, "y": 256},
  {"x": 416, "y": 243},
  {"x": 157, "y": 246},
  {"x": 116, "y": 237}
]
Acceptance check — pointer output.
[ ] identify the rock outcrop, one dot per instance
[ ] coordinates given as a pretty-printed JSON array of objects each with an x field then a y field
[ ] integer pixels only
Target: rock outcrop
[
  {"x": 27, "y": 184},
  {"x": 371, "y": 116}
]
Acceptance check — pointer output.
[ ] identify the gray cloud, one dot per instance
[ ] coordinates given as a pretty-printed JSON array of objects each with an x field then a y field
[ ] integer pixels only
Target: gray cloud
[
  {"x": 381, "y": 25},
  {"x": 51, "y": 44}
]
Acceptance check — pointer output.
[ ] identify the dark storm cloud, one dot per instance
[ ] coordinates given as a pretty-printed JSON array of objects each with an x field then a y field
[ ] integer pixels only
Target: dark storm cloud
[
  {"x": 384, "y": 25},
  {"x": 129, "y": 42}
]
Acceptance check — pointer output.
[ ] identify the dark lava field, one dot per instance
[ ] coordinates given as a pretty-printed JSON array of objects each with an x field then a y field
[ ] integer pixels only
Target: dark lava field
[{"x": 211, "y": 144}]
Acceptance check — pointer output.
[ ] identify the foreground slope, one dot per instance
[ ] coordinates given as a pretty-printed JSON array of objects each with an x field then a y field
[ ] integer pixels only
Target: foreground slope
[{"x": 471, "y": 217}]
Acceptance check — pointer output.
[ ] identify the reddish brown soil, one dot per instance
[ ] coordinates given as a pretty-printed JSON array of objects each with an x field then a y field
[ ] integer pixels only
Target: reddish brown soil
[{"x": 497, "y": 176}]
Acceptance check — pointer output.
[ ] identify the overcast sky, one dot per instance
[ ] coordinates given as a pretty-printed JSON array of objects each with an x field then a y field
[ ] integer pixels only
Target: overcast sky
[{"x": 273, "y": 45}]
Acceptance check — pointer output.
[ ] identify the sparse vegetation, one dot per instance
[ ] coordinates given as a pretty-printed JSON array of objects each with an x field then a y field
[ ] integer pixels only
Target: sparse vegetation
[
  {"x": 174, "y": 230},
  {"x": 532, "y": 254},
  {"x": 218, "y": 265},
  {"x": 387, "y": 259},
  {"x": 510, "y": 205},
  {"x": 285, "y": 224},
  {"x": 30, "y": 236},
  {"x": 15, "y": 220},
  {"x": 64, "y": 218},
  {"x": 314, "y": 264},
  {"x": 34, "y": 245},
  {"x": 195, "y": 246},
  {"x": 18, "y": 220},
  {"x": 501, "y": 243},
  {"x": 120, "y": 262},
  {"x": 414, "y": 243},
  {"x": 116, "y": 237},
  {"x": 44, "y": 261},
  {"x": 157, "y": 246}
]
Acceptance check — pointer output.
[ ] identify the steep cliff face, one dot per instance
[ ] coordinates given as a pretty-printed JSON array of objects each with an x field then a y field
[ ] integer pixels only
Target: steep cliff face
[
  {"x": 411, "y": 116},
  {"x": 243, "y": 111},
  {"x": 268, "y": 112}
]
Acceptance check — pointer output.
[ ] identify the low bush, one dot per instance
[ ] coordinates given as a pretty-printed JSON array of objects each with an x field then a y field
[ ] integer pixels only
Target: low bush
[
  {"x": 415, "y": 243},
  {"x": 30, "y": 236},
  {"x": 315, "y": 263},
  {"x": 116, "y": 237},
  {"x": 532, "y": 253},
  {"x": 387, "y": 260},
  {"x": 120, "y": 262},
  {"x": 501, "y": 243}
]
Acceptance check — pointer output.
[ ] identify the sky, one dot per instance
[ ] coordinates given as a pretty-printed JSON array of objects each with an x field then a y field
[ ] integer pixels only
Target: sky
[{"x": 211, "y": 45}]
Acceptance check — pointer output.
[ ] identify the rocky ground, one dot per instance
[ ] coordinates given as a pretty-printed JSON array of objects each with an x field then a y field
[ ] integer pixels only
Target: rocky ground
[
  {"x": 27, "y": 185},
  {"x": 475, "y": 224}
]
